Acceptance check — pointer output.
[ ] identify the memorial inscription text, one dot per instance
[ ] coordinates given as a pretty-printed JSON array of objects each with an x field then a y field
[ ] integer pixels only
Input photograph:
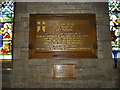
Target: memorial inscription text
[{"x": 63, "y": 34}]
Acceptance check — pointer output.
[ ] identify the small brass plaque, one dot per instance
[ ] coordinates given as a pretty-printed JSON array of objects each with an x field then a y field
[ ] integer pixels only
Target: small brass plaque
[{"x": 65, "y": 71}]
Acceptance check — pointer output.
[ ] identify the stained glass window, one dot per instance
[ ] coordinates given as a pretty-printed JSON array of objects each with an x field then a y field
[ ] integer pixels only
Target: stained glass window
[
  {"x": 6, "y": 29},
  {"x": 114, "y": 13}
]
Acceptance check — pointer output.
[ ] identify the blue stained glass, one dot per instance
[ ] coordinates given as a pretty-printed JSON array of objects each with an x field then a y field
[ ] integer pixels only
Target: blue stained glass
[
  {"x": 115, "y": 53},
  {"x": 1, "y": 42}
]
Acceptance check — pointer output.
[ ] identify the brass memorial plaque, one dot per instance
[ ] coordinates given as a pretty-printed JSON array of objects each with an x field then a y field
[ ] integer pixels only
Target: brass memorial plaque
[
  {"x": 65, "y": 71},
  {"x": 63, "y": 36}
]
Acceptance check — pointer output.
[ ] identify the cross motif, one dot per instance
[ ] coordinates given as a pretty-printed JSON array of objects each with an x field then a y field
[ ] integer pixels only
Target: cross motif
[{"x": 41, "y": 26}]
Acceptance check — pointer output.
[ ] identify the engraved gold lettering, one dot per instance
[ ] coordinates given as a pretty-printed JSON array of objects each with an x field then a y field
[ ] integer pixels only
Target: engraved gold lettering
[
  {"x": 43, "y": 28},
  {"x": 37, "y": 48},
  {"x": 38, "y": 23},
  {"x": 43, "y": 23},
  {"x": 61, "y": 41},
  {"x": 72, "y": 24},
  {"x": 38, "y": 28},
  {"x": 85, "y": 48}
]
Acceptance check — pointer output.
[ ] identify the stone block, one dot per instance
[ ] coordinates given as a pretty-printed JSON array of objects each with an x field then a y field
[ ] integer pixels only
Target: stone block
[
  {"x": 39, "y": 62},
  {"x": 85, "y": 72},
  {"x": 102, "y": 15},
  {"x": 103, "y": 21},
  {"x": 100, "y": 45},
  {"x": 16, "y": 53},
  {"x": 106, "y": 68},
  {"x": 24, "y": 49},
  {"x": 99, "y": 8},
  {"x": 19, "y": 39},
  {"x": 86, "y": 83},
  {"x": 26, "y": 44},
  {"x": 25, "y": 54},
  {"x": 5, "y": 72},
  {"x": 18, "y": 65},
  {"x": 21, "y": 7},
  {"x": 103, "y": 33},
  {"x": 18, "y": 85},
  {"x": 100, "y": 54},
  {"x": 91, "y": 77},
  {"x": 17, "y": 17},
  {"x": 83, "y": 6},
  {"x": 25, "y": 15},
  {"x": 26, "y": 19},
  {"x": 107, "y": 84},
  {"x": 36, "y": 7},
  {"x": 107, "y": 49},
  {"x": 83, "y": 11},
  {"x": 66, "y": 7},
  {"x": 50, "y": 8},
  {"x": 87, "y": 65},
  {"x": 19, "y": 27},
  {"x": 6, "y": 85},
  {"x": 6, "y": 78},
  {"x": 26, "y": 25},
  {"x": 26, "y": 39}
]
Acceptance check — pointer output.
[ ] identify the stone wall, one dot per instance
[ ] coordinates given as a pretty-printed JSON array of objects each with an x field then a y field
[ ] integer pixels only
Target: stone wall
[{"x": 37, "y": 73}]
